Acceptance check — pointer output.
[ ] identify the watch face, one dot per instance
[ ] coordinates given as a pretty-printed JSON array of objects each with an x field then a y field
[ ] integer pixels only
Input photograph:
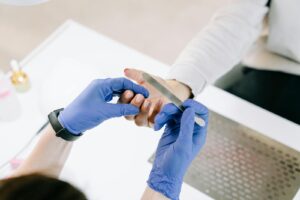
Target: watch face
[{"x": 22, "y": 2}]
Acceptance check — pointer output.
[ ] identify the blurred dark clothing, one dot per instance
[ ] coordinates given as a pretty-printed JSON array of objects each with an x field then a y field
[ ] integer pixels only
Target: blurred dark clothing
[
  {"x": 274, "y": 91},
  {"x": 38, "y": 187}
]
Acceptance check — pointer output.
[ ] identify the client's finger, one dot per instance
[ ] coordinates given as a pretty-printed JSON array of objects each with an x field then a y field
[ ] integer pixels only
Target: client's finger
[
  {"x": 135, "y": 75},
  {"x": 121, "y": 84},
  {"x": 156, "y": 107},
  {"x": 126, "y": 97},
  {"x": 141, "y": 119},
  {"x": 136, "y": 101}
]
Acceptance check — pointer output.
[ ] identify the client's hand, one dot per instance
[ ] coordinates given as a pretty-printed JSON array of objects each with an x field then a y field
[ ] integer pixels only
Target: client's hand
[
  {"x": 178, "y": 146},
  {"x": 90, "y": 108},
  {"x": 152, "y": 105}
]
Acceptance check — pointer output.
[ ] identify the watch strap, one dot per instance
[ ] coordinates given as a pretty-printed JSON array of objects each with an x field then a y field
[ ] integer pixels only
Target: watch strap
[{"x": 59, "y": 129}]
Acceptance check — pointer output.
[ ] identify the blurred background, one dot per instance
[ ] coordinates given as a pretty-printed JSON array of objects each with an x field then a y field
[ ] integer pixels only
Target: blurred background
[{"x": 157, "y": 28}]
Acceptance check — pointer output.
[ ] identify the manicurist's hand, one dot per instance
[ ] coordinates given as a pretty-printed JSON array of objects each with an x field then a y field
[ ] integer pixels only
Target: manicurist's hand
[
  {"x": 152, "y": 105},
  {"x": 86, "y": 111},
  {"x": 180, "y": 143},
  {"x": 92, "y": 106}
]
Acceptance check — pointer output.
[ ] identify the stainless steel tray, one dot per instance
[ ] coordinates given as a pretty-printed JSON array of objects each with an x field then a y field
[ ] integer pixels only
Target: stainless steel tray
[{"x": 239, "y": 163}]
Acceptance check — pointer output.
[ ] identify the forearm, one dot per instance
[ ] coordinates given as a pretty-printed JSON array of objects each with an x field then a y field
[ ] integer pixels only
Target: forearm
[
  {"x": 150, "y": 194},
  {"x": 220, "y": 45},
  {"x": 48, "y": 157}
]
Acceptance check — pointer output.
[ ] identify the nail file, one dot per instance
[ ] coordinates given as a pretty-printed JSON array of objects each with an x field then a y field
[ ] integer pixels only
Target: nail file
[{"x": 169, "y": 95}]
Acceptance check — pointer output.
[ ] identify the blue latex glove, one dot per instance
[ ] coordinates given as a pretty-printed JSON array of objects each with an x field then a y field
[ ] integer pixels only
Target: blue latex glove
[
  {"x": 90, "y": 108},
  {"x": 180, "y": 143}
]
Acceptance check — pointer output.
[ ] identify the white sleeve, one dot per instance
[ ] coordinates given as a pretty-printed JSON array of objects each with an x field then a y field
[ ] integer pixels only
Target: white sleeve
[{"x": 221, "y": 45}]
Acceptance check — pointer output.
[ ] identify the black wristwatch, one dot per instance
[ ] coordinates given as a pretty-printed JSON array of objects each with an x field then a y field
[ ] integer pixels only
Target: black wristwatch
[{"x": 59, "y": 129}]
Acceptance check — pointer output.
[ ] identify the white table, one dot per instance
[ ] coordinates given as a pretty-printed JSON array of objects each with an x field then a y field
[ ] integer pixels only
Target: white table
[{"x": 110, "y": 161}]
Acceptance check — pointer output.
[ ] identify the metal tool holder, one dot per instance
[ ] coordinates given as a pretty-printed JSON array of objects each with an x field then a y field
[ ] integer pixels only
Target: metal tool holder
[{"x": 239, "y": 163}]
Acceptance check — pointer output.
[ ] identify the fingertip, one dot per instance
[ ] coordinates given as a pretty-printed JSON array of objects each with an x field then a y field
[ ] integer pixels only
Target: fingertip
[
  {"x": 128, "y": 94},
  {"x": 188, "y": 121},
  {"x": 138, "y": 89},
  {"x": 197, "y": 106},
  {"x": 159, "y": 117},
  {"x": 189, "y": 103},
  {"x": 188, "y": 117},
  {"x": 134, "y": 74},
  {"x": 145, "y": 92},
  {"x": 189, "y": 112},
  {"x": 126, "y": 71},
  {"x": 169, "y": 108},
  {"x": 156, "y": 127}
]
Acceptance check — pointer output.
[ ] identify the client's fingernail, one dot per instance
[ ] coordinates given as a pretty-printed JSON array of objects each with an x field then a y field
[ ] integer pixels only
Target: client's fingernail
[
  {"x": 139, "y": 98},
  {"x": 128, "y": 94},
  {"x": 147, "y": 104}
]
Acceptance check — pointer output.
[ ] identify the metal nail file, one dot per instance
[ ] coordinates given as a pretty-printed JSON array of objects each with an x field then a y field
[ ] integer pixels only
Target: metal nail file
[{"x": 169, "y": 95}]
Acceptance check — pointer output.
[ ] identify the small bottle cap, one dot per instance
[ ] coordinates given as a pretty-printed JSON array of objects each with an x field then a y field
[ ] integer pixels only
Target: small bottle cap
[{"x": 18, "y": 77}]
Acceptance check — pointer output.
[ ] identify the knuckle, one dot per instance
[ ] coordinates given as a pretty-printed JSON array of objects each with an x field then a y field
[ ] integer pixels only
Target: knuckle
[
  {"x": 122, "y": 80},
  {"x": 125, "y": 81},
  {"x": 184, "y": 153},
  {"x": 96, "y": 81}
]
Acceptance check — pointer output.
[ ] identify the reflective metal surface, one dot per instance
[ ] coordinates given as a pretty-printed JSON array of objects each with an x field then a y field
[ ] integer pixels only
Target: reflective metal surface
[
  {"x": 239, "y": 163},
  {"x": 169, "y": 95}
]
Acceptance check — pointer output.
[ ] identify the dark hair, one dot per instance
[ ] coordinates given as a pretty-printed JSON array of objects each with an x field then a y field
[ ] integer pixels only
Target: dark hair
[{"x": 38, "y": 187}]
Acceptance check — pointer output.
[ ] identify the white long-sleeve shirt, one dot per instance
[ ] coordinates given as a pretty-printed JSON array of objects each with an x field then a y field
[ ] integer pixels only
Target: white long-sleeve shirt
[{"x": 232, "y": 36}]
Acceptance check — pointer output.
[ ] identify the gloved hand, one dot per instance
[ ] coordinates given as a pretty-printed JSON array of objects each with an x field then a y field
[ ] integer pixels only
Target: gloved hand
[
  {"x": 178, "y": 146},
  {"x": 90, "y": 108},
  {"x": 156, "y": 100}
]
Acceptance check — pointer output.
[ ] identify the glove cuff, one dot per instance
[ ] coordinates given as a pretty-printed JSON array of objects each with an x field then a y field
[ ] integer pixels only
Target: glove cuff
[
  {"x": 62, "y": 121},
  {"x": 169, "y": 187}
]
